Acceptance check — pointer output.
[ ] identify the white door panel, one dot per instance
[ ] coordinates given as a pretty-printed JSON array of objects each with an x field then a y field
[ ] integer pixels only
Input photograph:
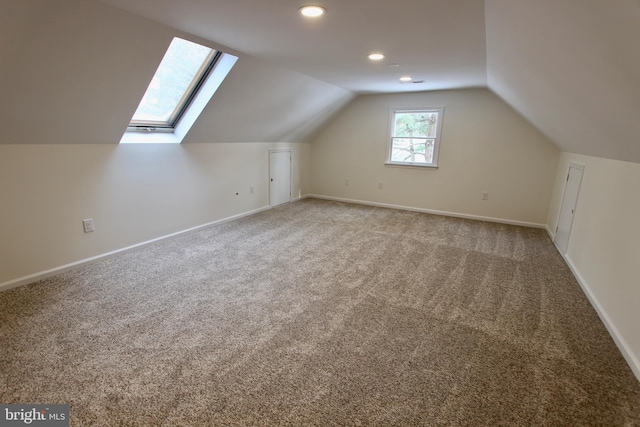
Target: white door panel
[
  {"x": 279, "y": 177},
  {"x": 568, "y": 207}
]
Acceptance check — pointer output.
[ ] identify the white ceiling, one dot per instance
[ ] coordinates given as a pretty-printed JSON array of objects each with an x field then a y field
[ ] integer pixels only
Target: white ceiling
[
  {"x": 572, "y": 68},
  {"x": 439, "y": 41}
]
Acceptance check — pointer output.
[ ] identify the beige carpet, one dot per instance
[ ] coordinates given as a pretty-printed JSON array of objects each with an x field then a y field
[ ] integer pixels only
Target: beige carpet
[{"x": 320, "y": 313}]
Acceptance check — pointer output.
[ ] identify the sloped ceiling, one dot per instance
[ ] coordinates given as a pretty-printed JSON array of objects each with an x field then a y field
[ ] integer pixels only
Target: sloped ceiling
[
  {"x": 572, "y": 68},
  {"x": 438, "y": 41},
  {"x": 73, "y": 71}
]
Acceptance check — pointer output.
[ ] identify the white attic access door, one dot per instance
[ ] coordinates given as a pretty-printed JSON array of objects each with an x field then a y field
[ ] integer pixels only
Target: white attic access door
[
  {"x": 568, "y": 207},
  {"x": 279, "y": 177}
]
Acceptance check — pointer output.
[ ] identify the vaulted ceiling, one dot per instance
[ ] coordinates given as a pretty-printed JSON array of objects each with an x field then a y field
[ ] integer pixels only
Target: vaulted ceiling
[
  {"x": 570, "y": 67},
  {"x": 438, "y": 41}
]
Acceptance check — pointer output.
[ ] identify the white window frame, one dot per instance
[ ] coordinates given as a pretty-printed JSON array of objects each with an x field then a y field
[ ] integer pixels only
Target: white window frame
[
  {"x": 436, "y": 144},
  {"x": 175, "y": 135}
]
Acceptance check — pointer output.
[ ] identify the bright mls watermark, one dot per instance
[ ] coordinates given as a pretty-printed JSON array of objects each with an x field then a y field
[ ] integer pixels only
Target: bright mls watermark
[{"x": 34, "y": 415}]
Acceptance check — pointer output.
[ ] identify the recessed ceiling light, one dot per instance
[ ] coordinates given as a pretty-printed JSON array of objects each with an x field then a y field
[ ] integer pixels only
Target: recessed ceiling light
[
  {"x": 405, "y": 79},
  {"x": 376, "y": 56},
  {"x": 312, "y": 11}
]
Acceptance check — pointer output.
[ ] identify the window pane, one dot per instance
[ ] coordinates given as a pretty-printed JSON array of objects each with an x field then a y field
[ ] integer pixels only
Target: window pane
[
  {"x": 179, "y": 70},
  {"x": 413, "y": 150},
  {"x": 419, "y": 123}
]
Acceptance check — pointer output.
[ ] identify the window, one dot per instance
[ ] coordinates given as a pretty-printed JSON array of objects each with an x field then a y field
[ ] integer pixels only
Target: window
[
  {"x": 415, "y": 136},
  {"x": 186, "y": 79},
  {"x": 177, "y": 79}
]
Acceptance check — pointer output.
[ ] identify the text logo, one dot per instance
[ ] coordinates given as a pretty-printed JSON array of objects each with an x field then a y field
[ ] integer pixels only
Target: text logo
[{"x": 34, "y": 415}]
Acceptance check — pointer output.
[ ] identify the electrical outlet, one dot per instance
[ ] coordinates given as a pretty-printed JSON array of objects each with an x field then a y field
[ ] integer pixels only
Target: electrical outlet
[
  {"x": 251, "y": 189},
  {"x": 346, "y": 182},
  {"x": 380, "y": 185},
  {"x": 88, "y": 225},
  {"x": 485, "y": 195}
]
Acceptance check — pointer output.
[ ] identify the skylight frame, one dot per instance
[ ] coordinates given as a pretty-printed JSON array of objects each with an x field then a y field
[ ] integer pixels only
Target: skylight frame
[
  {"x": 211, "y": 83},
  {"x": 185, "y": 101}
]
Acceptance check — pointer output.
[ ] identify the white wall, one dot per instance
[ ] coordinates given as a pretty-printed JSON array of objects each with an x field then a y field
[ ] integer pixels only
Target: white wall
[
  {"x": 604, "y": 244},
  {"x": 485, "y": 146},
  {"x": 133, "y": 192},
  {"x": 72, "y": 73}
]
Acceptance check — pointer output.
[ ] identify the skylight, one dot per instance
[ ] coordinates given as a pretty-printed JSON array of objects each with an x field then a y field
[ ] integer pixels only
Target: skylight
[
  {"x": 176, "y": 80},
  {"x": 187, "y": 77}
]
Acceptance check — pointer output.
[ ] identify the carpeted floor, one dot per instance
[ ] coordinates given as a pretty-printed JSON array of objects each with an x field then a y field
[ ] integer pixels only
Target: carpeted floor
[{"x": 320, "y": 313}]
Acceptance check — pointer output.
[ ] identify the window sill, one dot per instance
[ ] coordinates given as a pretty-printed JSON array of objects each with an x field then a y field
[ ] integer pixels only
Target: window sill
[
  {"x": 150, "y": 138},
  {"x": 411, "y": 165}
]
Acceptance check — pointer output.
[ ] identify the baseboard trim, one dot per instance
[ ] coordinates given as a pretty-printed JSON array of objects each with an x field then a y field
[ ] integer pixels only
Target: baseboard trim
[
  {"x": 621, "y": 343},
  {"x": 430, "y": 211},
  {"x": 57, "y": 270},
  {"x": 297, "y": 199},
  {"x": 551, "y": 235}
]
